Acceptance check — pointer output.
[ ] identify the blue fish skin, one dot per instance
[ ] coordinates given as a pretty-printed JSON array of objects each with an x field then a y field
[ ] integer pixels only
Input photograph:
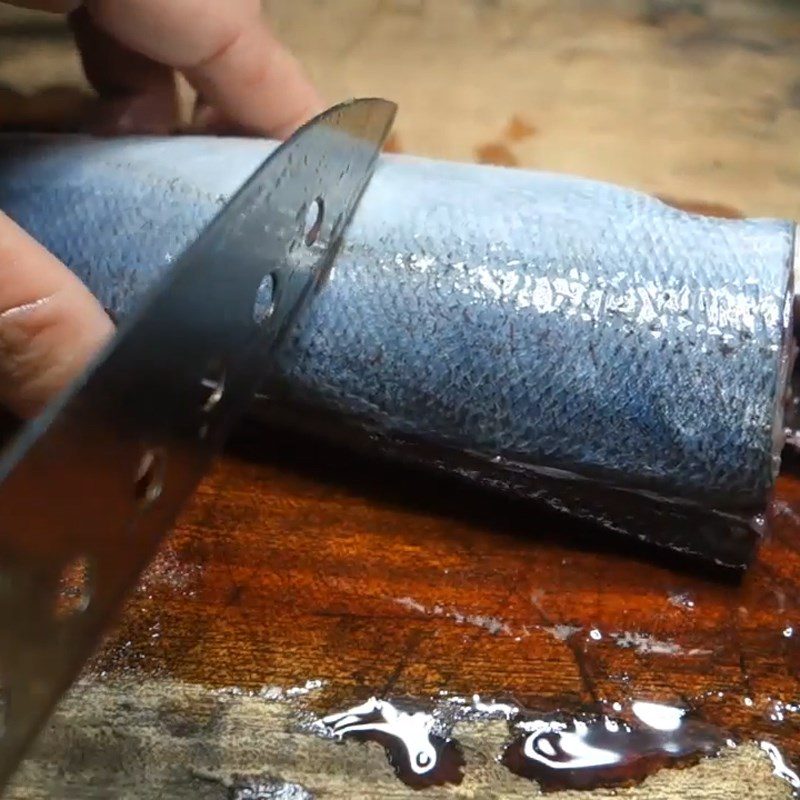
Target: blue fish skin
[{"x": 560, "y": 338}]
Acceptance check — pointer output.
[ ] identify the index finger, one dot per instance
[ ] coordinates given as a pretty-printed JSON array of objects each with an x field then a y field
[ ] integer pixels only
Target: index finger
[{"x": 225, "y": 50}]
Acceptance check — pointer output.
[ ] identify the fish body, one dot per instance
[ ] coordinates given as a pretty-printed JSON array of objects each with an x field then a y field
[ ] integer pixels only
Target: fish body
[{"x": 555, "y": 337}]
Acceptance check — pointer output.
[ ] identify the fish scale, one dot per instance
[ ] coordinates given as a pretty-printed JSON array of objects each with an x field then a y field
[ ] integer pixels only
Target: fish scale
[{"x": 554, "y": 337}]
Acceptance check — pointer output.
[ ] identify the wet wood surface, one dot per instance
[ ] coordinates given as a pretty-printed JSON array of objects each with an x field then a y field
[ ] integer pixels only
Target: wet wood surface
[
  {"x": 312, "y": 564},
  {"x": 304, "y": 579}
]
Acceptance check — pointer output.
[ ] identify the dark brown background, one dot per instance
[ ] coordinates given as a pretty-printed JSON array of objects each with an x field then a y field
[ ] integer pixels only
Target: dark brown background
[{"x": 296, "y": 562}]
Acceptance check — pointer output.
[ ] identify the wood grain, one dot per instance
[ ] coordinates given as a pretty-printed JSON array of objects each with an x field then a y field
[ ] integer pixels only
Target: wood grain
[
  {"x": 298, "y": 561},
  {"x": 316, "y": 564},
  {"x": 311, "y": 564}
]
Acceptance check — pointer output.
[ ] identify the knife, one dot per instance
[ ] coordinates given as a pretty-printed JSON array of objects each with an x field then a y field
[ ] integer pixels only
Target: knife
[{"x": 90, "y": 487}]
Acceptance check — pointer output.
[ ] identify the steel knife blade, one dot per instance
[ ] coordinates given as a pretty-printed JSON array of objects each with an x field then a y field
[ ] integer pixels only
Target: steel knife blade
[{"x": 89, "y": 488}]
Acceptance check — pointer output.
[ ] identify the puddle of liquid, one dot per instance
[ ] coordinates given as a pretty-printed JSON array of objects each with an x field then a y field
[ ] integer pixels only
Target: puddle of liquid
[
  {"x": 730, "y": 648},
  {"x": 593, "y": 751},
  {"x": 558, "y": 751},
  {"x": 420, "y": 755},
  {"x": 779, "y": 766}
]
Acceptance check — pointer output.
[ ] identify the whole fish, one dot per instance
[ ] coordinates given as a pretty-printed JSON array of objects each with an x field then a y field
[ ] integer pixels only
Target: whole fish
[{"x": 558, "y": 338}]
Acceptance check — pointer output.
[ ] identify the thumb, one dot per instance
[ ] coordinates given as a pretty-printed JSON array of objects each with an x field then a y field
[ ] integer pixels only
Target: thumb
[{"x": 51, "y": 326}]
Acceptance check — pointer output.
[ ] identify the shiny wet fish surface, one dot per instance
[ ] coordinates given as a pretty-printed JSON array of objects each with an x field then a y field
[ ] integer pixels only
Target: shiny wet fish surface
[{"x": 554, "y": 337}]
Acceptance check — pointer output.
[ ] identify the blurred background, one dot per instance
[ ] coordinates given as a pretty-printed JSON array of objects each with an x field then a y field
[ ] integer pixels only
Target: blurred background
[{"x": 695, "y": 100}]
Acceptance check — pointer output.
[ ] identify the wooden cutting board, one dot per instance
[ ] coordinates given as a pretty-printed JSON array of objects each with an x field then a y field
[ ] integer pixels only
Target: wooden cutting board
[{"x": 304, "y": 580}]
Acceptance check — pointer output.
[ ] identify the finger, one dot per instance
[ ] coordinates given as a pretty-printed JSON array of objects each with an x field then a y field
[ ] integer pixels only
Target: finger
[
  {"x": 137, "y": 95},
  {"x": 225, "y": 50},
  {"x": 50, "y": 324}
]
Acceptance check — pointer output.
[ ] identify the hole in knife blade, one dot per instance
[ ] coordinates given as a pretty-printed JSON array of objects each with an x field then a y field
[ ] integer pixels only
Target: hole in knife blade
[
  {"x": 213, "y": 384},
  {"x": 74, "y": 588},
  {"x": 149, "y": 480},
  {"x": 313, "y": 221},
  {"x": 264, "y": 303}
]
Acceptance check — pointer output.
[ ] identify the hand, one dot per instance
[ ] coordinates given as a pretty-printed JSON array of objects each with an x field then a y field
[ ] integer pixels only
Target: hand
[{"x": 50, "y": 324}]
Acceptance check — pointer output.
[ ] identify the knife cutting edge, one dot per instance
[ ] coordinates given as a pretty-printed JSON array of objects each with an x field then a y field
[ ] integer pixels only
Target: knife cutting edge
[{"x": 90, "y": 487}]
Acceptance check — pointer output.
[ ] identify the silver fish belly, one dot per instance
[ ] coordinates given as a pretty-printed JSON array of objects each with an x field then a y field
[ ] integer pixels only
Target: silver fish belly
[{"x": 557, "y": 338}]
